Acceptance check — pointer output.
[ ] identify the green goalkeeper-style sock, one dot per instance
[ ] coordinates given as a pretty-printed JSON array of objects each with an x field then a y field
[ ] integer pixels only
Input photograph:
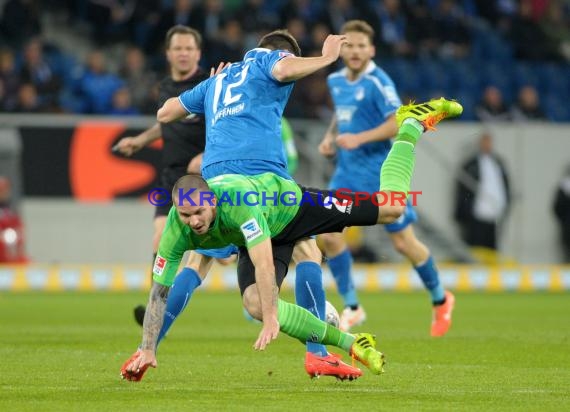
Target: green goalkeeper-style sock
[
  {"x": 299, "y": 323},
  {"x": 397, "y": 170}
]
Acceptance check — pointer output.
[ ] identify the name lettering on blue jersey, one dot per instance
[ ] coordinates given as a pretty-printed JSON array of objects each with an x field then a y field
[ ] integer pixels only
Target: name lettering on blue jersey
[
  {"x": 392, "y": 96},
  {"x": 228, "y": 97}
]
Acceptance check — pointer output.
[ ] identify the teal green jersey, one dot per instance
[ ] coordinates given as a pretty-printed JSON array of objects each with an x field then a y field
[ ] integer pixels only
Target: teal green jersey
[
  {"x": 289, "y": 145},
  {"x": 249, "y": 210}
]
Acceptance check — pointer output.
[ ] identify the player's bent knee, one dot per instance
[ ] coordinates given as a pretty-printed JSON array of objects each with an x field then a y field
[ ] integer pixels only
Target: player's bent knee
[
  {"x": 333, "y": 243},
  {"x": 306, "y": 250},
  {"x": 400, "y": 245},
  {"x": 390, "y": 213}
]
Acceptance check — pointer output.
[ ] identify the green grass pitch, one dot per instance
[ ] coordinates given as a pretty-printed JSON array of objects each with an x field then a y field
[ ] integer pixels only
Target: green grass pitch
[{"x": 63, "y": 352}]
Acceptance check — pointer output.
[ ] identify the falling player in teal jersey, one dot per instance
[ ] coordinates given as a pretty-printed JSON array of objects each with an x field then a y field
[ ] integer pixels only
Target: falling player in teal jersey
[
  {"x": 211, "y": 214},
  {"x": 244, "y": 104}
]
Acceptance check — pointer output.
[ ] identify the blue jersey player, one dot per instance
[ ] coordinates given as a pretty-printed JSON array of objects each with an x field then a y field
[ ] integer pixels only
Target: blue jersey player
[{"x": 365, "y": 101}]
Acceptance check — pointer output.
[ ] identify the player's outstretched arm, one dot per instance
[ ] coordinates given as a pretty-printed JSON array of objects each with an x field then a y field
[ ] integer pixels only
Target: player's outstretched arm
[
  {"x": 152, "y": 324},
  {"x": 154, "y": 316},
  {"x": 293, "y": 68},
  {"x": 135, "y": 367},
  {"x": 130, "y": 145},
  {"x": 171, "y": 110},
  {"x": 387, "y": 130}
]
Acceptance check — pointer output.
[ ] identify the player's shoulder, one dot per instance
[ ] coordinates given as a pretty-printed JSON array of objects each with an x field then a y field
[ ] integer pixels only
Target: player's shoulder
[
  {"x": 256, "y": 53},
  {"x": 377, "y": 75},
  {"x": 264, "y": 59},
  {"x": 260, "y": 56},
  {"x": 174, "y": 226},
  {"x": 172, "y": 215},
  {"x": 338, "y": 75}
]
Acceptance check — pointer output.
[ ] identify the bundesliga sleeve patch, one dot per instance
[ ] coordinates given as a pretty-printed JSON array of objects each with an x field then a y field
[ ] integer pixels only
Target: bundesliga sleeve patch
[
  {"x": 251, "y": 230},
  {"x": 159, "y": 265},
  {"x": 392, "y": 96}
]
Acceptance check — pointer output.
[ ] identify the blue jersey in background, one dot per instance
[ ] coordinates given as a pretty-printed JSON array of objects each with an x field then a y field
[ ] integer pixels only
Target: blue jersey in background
[{"x": 362, "y": 105}]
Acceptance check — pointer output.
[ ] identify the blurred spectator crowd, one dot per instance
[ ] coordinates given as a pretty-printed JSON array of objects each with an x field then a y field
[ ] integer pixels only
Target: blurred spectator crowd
[{"x": 504, "y": 59}]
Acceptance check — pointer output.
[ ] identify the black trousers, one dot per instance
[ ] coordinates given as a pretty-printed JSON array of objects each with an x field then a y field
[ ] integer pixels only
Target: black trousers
[{"x": 480, "y": 233}]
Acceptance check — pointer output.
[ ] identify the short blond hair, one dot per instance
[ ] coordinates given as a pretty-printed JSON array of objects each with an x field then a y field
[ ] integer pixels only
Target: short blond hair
[{"x": 359, "y": 26}]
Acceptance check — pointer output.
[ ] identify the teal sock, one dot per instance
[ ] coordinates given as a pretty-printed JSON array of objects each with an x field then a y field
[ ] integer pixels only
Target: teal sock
[
  {"x": 301, "y": 324},
  {"x": 397, "y": 169},
  {"x": 410, "y": 131}
]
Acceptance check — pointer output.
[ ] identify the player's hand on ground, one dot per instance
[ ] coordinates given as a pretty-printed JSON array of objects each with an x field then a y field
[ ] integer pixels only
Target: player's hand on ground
[
  {"x": 348, "y": 141},
  {"x": 327, "y": 147},
  {"x": 128, "y": 146},
  {"x": 269, "y": 332},
  {"x": 145, "y": 359},
  {"x": 217, "y": 70},
  {"x": 135, "y": 367},
  {"x": 332, "y": 45}
]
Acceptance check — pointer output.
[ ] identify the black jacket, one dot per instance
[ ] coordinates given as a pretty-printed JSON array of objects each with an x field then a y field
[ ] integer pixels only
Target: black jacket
[
  {"x": 465, "y": 197},
  {"x": 562, "y": 211}
]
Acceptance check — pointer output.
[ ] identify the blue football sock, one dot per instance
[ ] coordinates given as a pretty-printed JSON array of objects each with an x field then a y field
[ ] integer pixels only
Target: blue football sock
[
  {"x": 180, "y": 292},
  {"x": 309, "y": 294},
  {"x": 340, "y": 266},
  {"x": 430, "y": 278}
]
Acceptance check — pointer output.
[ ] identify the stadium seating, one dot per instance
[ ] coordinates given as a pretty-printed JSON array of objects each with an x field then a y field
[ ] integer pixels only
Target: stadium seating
[{"x": 490, "y": 61}]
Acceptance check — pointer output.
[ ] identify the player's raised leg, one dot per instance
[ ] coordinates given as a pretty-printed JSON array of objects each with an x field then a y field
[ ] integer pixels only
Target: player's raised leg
[
  {"x": 413, "y": 120},
  {"x": 397, "y": 170}
]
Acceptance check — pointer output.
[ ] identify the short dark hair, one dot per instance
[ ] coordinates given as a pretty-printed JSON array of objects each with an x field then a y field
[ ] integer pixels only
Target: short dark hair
[
  {"x": 187, "y": 183},
  {"x": 359, "y": 26},
  {"x": 280, "y": 40},
  {"x": 180, "y": 29}
]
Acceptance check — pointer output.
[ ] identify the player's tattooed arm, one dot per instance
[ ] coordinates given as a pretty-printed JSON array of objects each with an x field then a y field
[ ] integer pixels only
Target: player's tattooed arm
[{"x": 154, "y": 315}]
